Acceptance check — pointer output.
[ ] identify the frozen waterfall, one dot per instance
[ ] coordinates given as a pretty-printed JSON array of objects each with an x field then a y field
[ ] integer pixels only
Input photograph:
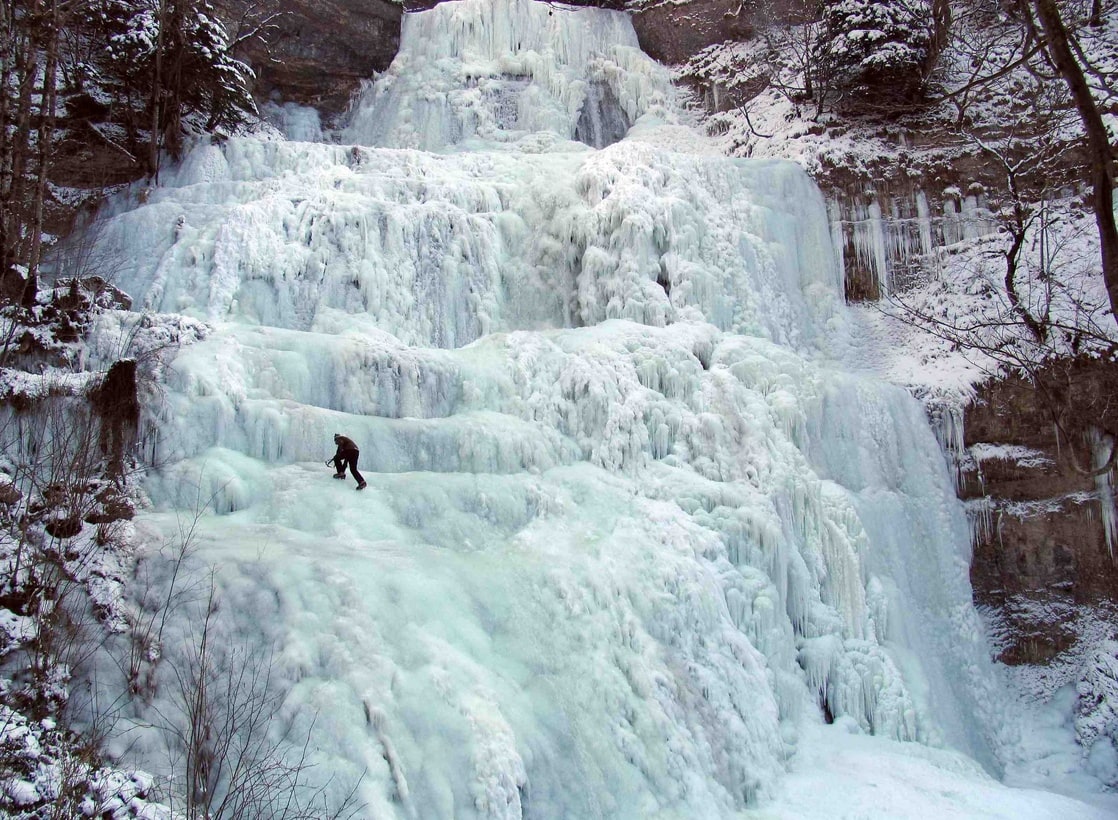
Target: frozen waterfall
[
  {"x": 633, "y": 536},
  {"x": 508, "y": 71}
]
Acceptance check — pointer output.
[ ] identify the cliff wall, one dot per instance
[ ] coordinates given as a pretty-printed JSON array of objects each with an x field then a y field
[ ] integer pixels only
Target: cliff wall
[
  {"x": 1043, "y": 526},
  {"x": 318, "y": 51}
]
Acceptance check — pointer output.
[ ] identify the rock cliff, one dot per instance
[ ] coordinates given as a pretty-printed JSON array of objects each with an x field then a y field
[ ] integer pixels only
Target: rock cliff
[
  {"x": 1041, "y": 549},
  {"x": 318, "y": 51}
]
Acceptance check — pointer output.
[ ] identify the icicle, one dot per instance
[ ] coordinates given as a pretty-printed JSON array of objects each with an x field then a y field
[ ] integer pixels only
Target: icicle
[
  {"x": 1101, "y": 447},
  {"x": 984, "y": 525}
]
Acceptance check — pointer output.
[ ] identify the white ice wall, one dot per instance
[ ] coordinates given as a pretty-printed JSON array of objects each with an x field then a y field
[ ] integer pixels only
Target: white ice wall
[
  {"x": 439, "y": 250},
  {"x": 629, "y": 531},
  {"x": 501, "y": 70}
]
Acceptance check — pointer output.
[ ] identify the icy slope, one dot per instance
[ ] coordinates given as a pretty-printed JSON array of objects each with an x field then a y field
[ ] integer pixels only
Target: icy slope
[
  {"x": 584, "y": 558},
  {"x": 630, "y": 535},
  {"x": 441, "y": 249}
]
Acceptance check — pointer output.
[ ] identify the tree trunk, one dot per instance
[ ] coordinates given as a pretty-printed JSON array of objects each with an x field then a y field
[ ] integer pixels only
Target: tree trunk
[
  {"x": 941, "y": 32},
  {"x": 46, "y": 133},
  {"x": 173, "y": 65},
  {"x": 1101, "y": 170},
  {"x": 26, "y": 69},
  {"x": 157, "y": 94},
  {"x": 7, "y": 62}
]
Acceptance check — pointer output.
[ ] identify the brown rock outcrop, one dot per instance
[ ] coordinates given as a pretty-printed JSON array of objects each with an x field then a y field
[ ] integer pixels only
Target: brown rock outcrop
[
  {"x": 321, "y": 50},
  {"x": 1040, "y": 544},
  {"x": 673, "y": 33}
]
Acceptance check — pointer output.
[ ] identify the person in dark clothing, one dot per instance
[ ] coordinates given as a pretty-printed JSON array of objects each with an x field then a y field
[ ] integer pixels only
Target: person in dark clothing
[{"x": 347, "y": 455}]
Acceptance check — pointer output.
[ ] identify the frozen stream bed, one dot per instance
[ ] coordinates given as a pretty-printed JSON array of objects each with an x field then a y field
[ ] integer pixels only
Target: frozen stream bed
[{"x": 633, "y": 534}]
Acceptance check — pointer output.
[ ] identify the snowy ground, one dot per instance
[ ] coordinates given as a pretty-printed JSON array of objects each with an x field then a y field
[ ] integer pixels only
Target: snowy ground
[{"x": 854, "y": 776}]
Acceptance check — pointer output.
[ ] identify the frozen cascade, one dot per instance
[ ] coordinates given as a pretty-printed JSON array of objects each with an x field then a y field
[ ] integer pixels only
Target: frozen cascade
[
  {"x": 631, "y": 533},
  {"x": 507, "y": 70},
  {"x": 439, "y": 250}
]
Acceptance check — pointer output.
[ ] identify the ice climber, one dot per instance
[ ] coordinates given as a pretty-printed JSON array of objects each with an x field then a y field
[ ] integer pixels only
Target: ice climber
[{"x": 347, "y": 454}]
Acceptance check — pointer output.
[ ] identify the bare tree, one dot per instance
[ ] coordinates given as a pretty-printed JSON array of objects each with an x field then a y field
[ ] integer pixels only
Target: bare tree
[
  {"x": 1033, "y": 155},
  {"x": 1045, "y": 24},
  {"x": 800, "y": 63},
  {"x": 875, "y": 55},
  {"x": 1039, "y": 317},
  {"x": 231, "y": 763},
  {"x": 984, "y": 51},
  {"x": 159, "y": 599},
  {"x": 35, "y": 38},
  {"x": 1027, "y": 310}
]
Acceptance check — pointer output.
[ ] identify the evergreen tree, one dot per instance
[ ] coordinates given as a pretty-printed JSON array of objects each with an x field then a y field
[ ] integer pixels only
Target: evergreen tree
[
  {"x": 175, "y": 52},
  {"x": 879, "y": 47},
  {"x": 166, "y": 64}
]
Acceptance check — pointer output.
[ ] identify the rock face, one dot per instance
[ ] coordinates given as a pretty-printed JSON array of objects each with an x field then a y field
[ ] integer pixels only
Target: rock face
[
  {"x": 1040, "y": 547},
  {"x": 320, "y": 50},
  {"x": 672, "y": 33}
]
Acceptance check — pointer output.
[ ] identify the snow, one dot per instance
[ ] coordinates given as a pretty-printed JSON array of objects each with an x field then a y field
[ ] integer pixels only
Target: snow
[
  {"x": 39, "y": 751},
  {"x": 18, "y": 385},
  {"x": 1055, "y": 750},
  {"x": 635, "y": 524},
  {"x": 1098, "y": 696},
  {"x": 1022, "y": 456},
  {"x": 913, "y": 336},
  {"x": 848, "y": 775}
]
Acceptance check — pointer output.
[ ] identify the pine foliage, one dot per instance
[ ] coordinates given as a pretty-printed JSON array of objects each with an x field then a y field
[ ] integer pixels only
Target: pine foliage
[
  {"x": 879, "y": 45},
  {"x": 200, "y": 74}
]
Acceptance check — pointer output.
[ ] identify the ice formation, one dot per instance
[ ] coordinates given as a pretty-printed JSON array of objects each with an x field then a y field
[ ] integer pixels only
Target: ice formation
[
  {"x": 890, "y": 242},
  {"x": 1102, "y": 446},
  {"x": 509, "y": 70},
  {"x": 632, "y": 532}
]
